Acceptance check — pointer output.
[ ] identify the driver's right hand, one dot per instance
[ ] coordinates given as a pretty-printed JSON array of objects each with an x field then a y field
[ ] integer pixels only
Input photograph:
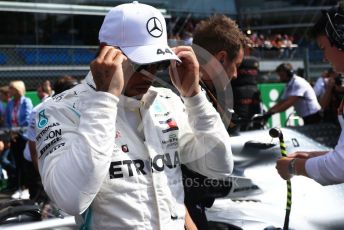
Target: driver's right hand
[{"x": 107, "y": 70}]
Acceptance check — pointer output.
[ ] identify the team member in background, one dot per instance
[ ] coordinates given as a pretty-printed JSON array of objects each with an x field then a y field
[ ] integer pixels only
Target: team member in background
[
  {"x": 110, "y": 149},
  {"x": 219, "y": 45},
  {"x": 44, "y": 91},
  {"x": 324, "y": 167},
  {"x": 47, "y": 88},
  {"x": 298, "y": 93}
]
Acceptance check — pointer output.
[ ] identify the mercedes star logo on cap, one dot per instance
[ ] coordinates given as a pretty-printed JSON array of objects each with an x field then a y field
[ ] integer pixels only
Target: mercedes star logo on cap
[{"x": 154, "y": 27}]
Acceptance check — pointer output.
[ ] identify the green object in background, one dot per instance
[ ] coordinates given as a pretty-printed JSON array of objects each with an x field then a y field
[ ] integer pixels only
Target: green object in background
[
  {"x": 33, "y": 96},
  {"x": 270, "y": 94}
]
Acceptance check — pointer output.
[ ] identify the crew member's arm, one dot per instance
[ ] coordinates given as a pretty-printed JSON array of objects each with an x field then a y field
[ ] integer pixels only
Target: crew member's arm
[
  {"x": 328, "y": 169},
  {"x": 204, "y": 141},
  {"x": 283, "y": 105},
  {"x": 324, "y": 167},
  {"x": 283, "y": 165},
  {"x": 74, "y": 163}
]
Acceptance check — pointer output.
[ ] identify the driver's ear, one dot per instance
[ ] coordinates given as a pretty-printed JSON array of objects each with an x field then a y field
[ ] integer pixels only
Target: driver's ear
[{"x": 221, "y": 56}]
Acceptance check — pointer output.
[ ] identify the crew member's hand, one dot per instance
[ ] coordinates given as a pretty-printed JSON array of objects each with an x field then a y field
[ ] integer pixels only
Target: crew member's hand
[
  {"x": 307, "y": 155},
  {"x": 302, "y": 155},
  {"x": 107, "y": 70},
  {"x": 282, "y": 167},
  {"x": 185, "y": 75}
]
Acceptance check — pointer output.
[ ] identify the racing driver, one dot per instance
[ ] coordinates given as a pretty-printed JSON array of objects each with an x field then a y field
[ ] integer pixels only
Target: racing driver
[{"x": 110, "y": 149}]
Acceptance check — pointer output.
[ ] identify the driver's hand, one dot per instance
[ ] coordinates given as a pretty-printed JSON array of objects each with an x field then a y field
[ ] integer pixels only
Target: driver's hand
[
  {"x": 107, "y": 70},
  {"x": 185, "y": 75}
]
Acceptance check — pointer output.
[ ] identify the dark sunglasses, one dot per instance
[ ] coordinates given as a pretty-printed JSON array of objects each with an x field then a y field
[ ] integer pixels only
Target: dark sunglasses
[{"x": 151, "y": 67}]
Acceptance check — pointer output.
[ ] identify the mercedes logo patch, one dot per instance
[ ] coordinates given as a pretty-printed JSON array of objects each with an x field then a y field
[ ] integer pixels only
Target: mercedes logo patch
[{"x": 154, "y": 27}]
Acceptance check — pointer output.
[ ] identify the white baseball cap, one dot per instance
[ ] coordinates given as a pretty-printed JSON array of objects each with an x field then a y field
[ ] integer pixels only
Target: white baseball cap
[{"x": 139, "y": 30}]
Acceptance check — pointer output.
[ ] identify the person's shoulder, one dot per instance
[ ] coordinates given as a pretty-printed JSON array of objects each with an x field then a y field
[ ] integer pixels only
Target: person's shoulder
[
  {"x": 300, "y": 80},
  {"x": 61, "y": 109},
  {"x": 42, "y": 104},
  {"x": 65, "y": 98},
  {"x": 70, "y": 94}
]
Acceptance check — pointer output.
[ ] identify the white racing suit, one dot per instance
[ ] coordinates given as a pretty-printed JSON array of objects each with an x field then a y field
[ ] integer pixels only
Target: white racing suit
[{"x": 95, "y": 166}]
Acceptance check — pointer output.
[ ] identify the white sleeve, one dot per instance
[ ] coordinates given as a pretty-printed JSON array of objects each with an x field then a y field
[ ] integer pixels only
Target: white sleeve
[
  {"x": 75, "y": 149},
  {"x": 327, "y": 169},
  {"x": 206, "y": 148}
]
